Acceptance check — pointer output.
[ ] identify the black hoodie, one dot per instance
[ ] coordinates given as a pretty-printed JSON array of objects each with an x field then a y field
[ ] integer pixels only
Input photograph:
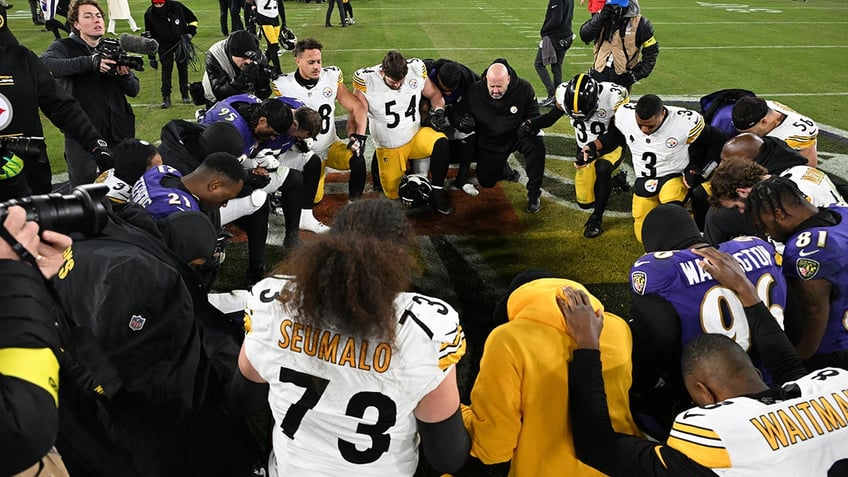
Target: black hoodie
[{"x": 497, "y": 120}]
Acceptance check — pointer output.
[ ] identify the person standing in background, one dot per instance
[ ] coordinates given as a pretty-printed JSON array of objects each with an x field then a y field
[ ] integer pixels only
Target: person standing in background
[
  {"x": 594, "y": 6},
  {"x": 330, "y": 12},
  {"x": 556, "y": 40},
  {"x": 120, "y": 10},
  {"x": 173, "y": 25}
]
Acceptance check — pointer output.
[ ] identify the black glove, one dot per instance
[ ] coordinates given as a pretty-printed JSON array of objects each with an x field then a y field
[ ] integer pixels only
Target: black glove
[
  {"x": 466, "y": 123},
  {"x": 302, "y": 145},
  {"x": 255, "y": 181},
  {"x": 525, "y": 131},
  {"x": 585, "y": 157},
  {"x": 356, "y": 144},
  {"x": 438, "y": 120},
  {"x": 693, "y": 176},
  {"x": 103, "y": 156},
  {"x": 153, "y": 63},
  {"x": 187, "y": 37}
]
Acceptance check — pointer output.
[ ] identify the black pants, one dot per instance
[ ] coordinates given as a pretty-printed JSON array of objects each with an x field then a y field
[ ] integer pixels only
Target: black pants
[
  {"x": 341, "y": 11},
  {"x": 556, "y": 68},
  {"x": 490, "y": 165},
  {"x": 167, "y": 60}
]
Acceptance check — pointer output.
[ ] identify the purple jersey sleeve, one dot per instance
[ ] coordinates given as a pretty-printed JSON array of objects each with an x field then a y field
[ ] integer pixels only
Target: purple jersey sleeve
[
  {"x": 161, "y": 201},
  {"x": 821, "y": 253},
  {"x": 225, "y": 111}
]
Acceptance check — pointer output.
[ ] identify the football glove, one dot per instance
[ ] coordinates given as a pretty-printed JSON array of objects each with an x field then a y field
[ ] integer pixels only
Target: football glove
[
  {"x": 267, "y": 160},
  {"x": 586, "y": 154},
  {"x": 254, "y": 180},
  {"x": 356, "y": 144},
  {"x": 438, "y": 120},
  {"x": 466, "y": 123},
  {"x": 103, "y": 156},
  {"x": 304, "y": 145}
]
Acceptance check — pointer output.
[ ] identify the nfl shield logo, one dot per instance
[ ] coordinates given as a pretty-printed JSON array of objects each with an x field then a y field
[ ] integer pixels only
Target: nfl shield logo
[
  {"x": 639, "y": 280},
  {"x": 807, "y": 268},
  {"x": 137, "y": 322}
]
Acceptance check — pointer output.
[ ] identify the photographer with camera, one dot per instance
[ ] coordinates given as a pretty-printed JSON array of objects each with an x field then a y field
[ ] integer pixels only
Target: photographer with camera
[
  {"x": 100, "y": 84},
  {"x": 24, "y": 167},
  {"x": 234, "y": 66},
  {"x": 29, "y": 346}
]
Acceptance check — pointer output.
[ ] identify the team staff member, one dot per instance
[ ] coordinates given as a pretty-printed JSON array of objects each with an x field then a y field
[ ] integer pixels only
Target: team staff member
[
  {"x": 29, "y": 346},
  {"x": 98, "y": 83},
  {"x": 556, "y": 38},
  {"x": 391, "y": 93},
  {"x": 736, "y": 429},
  {"x": 770, "y": 118},
  {"x": 590, "y": 107},
  {"x": 173, "y": 25},
  {"x": 815, "y": 264},
  {"x": 499, "y": 104},
  {"x": 665, "y": 142},
  {"x": 518, "y": 403},
  {"x": 26, "y": 87},
  {"x": 319, "y": 87},
  {"x": 625, "y": 48},
  {"x": 267, "y": 17}
]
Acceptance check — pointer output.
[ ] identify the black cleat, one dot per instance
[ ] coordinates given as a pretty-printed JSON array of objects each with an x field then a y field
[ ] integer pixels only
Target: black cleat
[
  {"x": 593, "y": 227},
  {"x": 439, "y": 201},
  {"x": 534, "y": 205}
]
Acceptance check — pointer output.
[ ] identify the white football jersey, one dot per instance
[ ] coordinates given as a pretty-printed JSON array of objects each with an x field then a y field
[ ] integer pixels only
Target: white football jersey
[
  {"x": 751, "y": 437},
  {"x": 610, "y": 97},
  {"x": 666, "y": 150},
  {"x": 119, "y": 191},
  {"x": 321, "y": 98},
  {"x": 393, "y": 113},
  {"x": 796, "y": 130},
  {"x": 344, "y": 404},
  {"x": 815, "y": 184}
]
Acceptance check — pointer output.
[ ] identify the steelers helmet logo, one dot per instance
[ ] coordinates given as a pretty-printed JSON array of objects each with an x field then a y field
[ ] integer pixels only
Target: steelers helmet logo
[
  {"x": 807, "y": 268},
  {"x": 513, "y": 109},
  {"x": 413, "y": 83},
  {"x": 2, "y": 21},
  {"x": 6, "y": 113},
  {"x": 671, "y": 143},
  {"x": 601, "y": 113},
  {"x": 327, "y": 92},
  {"x": 639, "y": 281}
]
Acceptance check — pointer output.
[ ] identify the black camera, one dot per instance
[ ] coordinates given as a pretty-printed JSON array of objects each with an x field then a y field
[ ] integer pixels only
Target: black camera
[
  {"x": 22, "y": 146},
  {"x": 80, "y": 211},
  {"x": 110, "y": 49},
  {"x": 259, "y": 70}
]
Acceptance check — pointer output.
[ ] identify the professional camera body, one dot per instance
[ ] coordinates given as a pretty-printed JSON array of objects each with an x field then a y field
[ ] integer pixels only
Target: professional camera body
[
  {"x": 80, "y": 211},
  {"x": 258, "y": 71},
  {"x": 110, "y": 48},
  {"x": 22, "y": 146}
]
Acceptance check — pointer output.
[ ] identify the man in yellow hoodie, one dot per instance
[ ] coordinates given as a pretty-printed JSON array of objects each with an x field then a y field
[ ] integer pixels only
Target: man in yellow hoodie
[{"x": 519, "y": 403}]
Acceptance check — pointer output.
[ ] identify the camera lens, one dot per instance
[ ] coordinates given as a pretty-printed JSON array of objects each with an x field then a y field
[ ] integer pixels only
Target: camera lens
[{"x": 81, "y": 211}]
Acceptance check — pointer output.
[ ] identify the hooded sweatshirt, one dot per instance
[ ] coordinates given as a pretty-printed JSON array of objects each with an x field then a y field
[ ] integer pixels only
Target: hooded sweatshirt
[{"x": 519, "y": 403}]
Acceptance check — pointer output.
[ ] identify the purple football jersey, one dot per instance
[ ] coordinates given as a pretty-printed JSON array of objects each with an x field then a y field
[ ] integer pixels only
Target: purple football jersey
[
  {"x": 161, "y": 201},
  {"x": 702, "y": 304},
  {"x": 225, "y": 111},
  {"x": 821, "y": 253}
]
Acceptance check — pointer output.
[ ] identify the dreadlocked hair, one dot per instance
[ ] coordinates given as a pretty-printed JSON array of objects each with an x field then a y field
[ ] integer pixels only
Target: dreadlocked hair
[
  {"x": 771, "y": 194},
  {"x": 349, "y": 283},
  {"x": 731, "y": 175}
]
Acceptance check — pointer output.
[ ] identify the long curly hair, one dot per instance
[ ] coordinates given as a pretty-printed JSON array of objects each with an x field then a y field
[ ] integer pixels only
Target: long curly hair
[{"x": 348, "y": 279}]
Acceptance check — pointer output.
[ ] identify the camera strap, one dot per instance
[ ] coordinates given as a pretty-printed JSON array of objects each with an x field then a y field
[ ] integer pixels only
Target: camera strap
[{"x": 17, "y": 247}]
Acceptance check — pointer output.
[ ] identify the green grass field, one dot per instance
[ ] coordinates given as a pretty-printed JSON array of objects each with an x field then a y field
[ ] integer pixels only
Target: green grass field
[{"x": 784, "y": 50}]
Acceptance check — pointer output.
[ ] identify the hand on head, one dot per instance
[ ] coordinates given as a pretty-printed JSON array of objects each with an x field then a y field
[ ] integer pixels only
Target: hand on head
[
  {"x": 728, "y": 272},
  {"x": 582, "y": 322},
  {"x": 48, "y": 249}
]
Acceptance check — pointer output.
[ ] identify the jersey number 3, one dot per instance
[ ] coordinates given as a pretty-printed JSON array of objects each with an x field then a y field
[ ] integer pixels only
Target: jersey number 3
[{"x": 314, "y": 387}]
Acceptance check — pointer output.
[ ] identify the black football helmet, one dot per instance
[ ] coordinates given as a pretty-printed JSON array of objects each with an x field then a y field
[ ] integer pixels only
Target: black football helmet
[
  {"x": 579, "y": 97},
  {"x": 414, "y": 191},
  {"x": 287, "y": 38}
]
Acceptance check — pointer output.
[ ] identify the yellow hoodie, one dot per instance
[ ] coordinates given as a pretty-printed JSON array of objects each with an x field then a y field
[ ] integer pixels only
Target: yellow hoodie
[{"x": 519, "y": 403}]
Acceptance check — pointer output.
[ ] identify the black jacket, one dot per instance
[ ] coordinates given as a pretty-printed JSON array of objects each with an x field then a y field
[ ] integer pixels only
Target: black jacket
[
  {"x": 558, "y": 20},
  {"x": 28, "y": 86},
  {"x": 149, "y": 313},
  {"x": 181, "y": 146},
  {"x": 29, "y": 419},
  {"x": 497, "y": 120},
  {"x": 168, "y": 23},
  {"x": 102, "y": 96}
]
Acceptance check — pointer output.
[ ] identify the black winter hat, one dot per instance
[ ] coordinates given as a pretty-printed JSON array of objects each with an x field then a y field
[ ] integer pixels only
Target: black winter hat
[
  {"x": 189, "y": 234},
  {"x": 242, "y": 44},
  {"x": 669, "y": 227},
  {"x": 131, "y": 158}
]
